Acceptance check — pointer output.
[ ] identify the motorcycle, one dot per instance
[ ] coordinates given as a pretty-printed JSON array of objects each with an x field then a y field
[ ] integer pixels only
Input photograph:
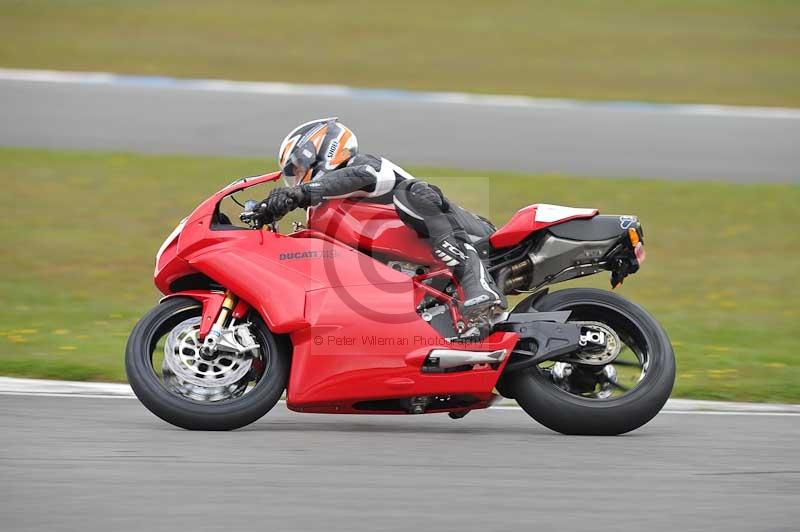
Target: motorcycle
[{"x": 352, "y": 314}]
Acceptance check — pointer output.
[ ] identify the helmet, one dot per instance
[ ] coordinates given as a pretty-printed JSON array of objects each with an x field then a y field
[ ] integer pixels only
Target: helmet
[{"x": 317, "y": 146}]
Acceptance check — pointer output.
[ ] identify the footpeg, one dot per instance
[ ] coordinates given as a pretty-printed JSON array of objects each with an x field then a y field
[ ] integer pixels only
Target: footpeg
[{"x": 418, "y": 405}]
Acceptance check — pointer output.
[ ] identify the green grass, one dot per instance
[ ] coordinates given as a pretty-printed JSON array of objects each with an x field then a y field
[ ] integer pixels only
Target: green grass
[
  {"x": 725, "y": 51},
  {"x": 81, "y": 231}
]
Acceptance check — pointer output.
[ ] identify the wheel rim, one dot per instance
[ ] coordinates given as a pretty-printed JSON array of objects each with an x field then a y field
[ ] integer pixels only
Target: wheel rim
[
  {"x": 225, "y": 376},
  {"x": 601, "y": 382}
]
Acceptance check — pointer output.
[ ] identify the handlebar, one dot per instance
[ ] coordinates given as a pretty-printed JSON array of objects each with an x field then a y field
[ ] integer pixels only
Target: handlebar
[{"x": 257, "y": 216}]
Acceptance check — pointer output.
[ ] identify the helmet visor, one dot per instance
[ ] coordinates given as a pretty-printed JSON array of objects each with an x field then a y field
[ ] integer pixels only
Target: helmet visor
[
  {"x": 294, "y": 175},
  {"x": 298, "y": 168}
]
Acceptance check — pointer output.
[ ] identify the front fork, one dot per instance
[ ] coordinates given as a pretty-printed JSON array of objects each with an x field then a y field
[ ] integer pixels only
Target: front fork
[
  {"x": 217, "y": 309},
  {"x": 212, "y": 336}
]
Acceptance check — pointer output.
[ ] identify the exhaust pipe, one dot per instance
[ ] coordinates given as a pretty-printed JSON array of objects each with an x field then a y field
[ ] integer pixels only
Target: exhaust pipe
[{"x": 443, "y": 359}]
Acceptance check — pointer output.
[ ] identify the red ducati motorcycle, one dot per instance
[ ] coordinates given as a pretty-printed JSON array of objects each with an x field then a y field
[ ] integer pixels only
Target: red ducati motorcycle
[{"x": 351, "y": 314}]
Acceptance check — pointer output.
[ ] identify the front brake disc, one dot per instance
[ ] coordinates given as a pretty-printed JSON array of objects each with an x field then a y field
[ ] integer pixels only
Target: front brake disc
[{"x": 187, "y": 373}]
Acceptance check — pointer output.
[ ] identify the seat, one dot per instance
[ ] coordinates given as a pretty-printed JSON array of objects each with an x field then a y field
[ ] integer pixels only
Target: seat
[
  {"x": 601, "y": 227},
  {"x": 533, "y": 218}
]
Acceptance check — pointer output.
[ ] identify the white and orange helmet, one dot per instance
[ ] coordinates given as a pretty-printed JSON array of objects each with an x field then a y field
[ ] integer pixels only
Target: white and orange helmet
[{"x": 317, "y": 146}]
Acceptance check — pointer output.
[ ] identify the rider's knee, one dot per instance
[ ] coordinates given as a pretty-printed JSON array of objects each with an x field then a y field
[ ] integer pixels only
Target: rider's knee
[{"x": 420, "y": 197}]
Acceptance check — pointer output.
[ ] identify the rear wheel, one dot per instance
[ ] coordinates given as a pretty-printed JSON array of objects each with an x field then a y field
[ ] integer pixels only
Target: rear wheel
[
  {"x": 607, "y": 392},
  {"x": 223, "y": 391}
]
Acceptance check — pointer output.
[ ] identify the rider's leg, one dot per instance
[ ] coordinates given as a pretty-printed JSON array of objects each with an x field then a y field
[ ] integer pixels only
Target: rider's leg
[{"x": 426, "y": 210}]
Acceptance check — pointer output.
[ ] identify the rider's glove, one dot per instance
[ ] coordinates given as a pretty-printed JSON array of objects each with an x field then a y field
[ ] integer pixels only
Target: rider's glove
[
  {"x": 279, "y": 202},
  {"x": 282, "y": 200}
]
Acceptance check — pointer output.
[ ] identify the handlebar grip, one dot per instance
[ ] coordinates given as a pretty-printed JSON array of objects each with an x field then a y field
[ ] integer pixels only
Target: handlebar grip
[
  {"x": 262, "y": 216},
  {"x": 266, "y": 218}
]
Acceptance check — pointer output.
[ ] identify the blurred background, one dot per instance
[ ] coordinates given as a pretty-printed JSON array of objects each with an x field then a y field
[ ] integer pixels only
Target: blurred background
[{"x": 593, "y": 104}]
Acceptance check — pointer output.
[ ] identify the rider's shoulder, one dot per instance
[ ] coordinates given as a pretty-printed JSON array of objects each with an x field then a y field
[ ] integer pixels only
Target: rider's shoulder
[
  {"x": 376, "y": 163},
  {"x": 364, "y": 159}
]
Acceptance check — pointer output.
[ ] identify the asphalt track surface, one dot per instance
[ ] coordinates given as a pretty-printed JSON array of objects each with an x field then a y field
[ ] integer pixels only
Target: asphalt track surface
[
  {"x": 69, "y": 463},
  {"x": 583, "y": 139}
]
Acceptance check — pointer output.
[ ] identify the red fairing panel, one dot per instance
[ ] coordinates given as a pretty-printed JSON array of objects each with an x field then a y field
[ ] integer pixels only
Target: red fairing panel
[
  {"x": 194, "y": 233},
  {"x": 367, "y": 343},
  {"x": 534, "y": 218},
  {"x": 352, "y": 319},
  {"x": 370, "y": 227},
  {"x": 273, "y": 272},
  {"x": 170, "y": 267}
]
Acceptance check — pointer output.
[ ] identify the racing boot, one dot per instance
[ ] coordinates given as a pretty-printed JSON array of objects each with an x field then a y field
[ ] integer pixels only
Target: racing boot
[{"x": 482, "y": 298}]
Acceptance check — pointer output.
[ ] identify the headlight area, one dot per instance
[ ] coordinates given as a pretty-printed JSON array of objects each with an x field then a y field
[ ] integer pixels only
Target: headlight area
[{"x": 172, "y": 238}]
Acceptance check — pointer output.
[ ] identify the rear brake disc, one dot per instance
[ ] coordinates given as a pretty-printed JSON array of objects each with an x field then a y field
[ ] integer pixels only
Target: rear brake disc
[{"x": 600, "y": 344}]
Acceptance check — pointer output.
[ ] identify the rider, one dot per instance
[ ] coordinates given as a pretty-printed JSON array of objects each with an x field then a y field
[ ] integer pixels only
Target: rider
[{"x": 320, "y": 160}]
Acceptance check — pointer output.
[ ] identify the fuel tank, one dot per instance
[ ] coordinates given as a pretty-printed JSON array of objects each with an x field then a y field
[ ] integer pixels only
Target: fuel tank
[{"x": 372, "y": 228}]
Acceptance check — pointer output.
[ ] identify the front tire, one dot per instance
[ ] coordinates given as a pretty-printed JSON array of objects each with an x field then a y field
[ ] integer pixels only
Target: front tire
[
  {"x": 232, "y": 413},
  {"x": 555, "y": 407}
]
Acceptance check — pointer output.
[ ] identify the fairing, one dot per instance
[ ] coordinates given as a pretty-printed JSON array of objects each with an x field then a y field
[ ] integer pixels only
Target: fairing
[
  {"x": 367, "y": 342},
  {"x": 533, "y": 218},
  {"x": 352, "y": 320}
]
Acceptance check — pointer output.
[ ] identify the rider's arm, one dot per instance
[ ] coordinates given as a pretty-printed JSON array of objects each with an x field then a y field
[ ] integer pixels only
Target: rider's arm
[{"x": 365, "y": 176}]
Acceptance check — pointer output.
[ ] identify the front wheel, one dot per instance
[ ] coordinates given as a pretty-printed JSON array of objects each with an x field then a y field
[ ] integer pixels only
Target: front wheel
[
  {"x": 184, "y": 386},
  {"x": 600, "y": 393}
]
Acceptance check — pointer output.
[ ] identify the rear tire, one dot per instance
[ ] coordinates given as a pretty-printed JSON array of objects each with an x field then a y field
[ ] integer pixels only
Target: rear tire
[
  {"x": 568, "y": 413},
  {"x": 195, "y": 415}
]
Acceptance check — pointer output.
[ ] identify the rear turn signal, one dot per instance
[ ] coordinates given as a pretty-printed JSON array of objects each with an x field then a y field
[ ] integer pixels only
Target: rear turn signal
[
  {"x": 638, "y": 246},
  {"x": 634, "y": 236}
]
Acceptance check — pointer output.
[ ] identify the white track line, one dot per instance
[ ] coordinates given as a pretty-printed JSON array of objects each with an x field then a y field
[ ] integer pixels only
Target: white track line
[
  {"x": 448, "y": 98},
  {"x": 667, "y": 410},
  {"x": 65, "y": 388},
  {"x": 79, "y": 395},
  {"x": 101, "y": 390}
]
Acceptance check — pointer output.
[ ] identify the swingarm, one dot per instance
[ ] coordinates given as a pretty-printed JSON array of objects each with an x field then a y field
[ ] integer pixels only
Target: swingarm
[{"x": 551, "y": 337}]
